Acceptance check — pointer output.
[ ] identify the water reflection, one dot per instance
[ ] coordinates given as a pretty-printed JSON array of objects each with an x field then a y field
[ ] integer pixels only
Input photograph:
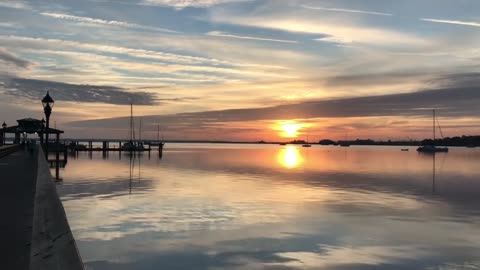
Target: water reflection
[
  {"x": 290, "y": 157},
  {"x": 434, "y": 173},
  {"x": 268, "y": 207}
]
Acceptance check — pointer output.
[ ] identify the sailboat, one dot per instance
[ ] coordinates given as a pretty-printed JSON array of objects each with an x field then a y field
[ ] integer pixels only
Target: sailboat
[
  {"x": 158, "y": 142},
  {"x": 306, "y": 144},
  {"x": 432, "y": 148},
  {"x": 344, "y": 143},
  {"x": 132, "y": 145}
]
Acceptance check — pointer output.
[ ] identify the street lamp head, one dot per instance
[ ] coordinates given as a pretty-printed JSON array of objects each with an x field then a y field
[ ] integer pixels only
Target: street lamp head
[
  {"x": 4, "y": 125},
  {"x": 47, "y": 110},
  {"x": 48, "y": 101}
]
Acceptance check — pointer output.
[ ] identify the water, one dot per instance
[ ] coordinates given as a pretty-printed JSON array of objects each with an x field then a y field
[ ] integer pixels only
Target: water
[{"x": 275, "y": 207}]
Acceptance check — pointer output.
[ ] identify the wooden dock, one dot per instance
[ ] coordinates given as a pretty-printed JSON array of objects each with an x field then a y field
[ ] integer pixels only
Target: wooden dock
[{"x": 106, "y": 145}]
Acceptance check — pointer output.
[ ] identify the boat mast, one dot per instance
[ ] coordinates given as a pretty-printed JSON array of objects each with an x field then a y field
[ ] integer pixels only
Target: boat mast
[
  {"x": 434, "y": 126},
  {"x": 140, "y": 130},
  {"x": 133, "y": 126},
  {"x": 158, "y": 132},
  {"x": 131, "y": 122}
]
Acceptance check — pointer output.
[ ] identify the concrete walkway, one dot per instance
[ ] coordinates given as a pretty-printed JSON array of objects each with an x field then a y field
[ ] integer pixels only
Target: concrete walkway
[
  {"x": 18, "y": 174},
  {"x": 53, "y": 246}
]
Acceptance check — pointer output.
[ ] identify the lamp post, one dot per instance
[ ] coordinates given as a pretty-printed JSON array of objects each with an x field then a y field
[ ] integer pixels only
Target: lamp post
[
  {"x": 47, "y": 103},
  {"x": 4, "y": 126},
  {"x": 43, "y": 132}
]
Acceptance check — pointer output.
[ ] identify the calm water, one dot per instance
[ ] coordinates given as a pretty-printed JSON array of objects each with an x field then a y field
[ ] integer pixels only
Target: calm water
[{"x": 275, "y": 207}]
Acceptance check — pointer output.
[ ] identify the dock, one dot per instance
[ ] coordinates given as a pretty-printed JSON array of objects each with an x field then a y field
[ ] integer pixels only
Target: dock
[{"x": 109, "y": 145}]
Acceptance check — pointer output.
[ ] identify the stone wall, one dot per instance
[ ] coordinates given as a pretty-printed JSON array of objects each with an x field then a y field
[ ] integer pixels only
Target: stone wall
[{"x": 53, "y": 245}]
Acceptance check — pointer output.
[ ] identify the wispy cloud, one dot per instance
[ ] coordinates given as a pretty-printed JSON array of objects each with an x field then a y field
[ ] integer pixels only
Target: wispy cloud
[
  {"x": 9, "y": 25},
  {"x": 341, "y": 32},
  {"x": 185, "y": 66},
  {"x": 475, "y": 24},
  {"x": 34, "y": 89},
  {"x": 337, "y": 40},
  {"x": 179, "y": 4},
  {"x": 95, "y": 21},
  {"x": 15, "y": 4},
  {"x": 347, "y": 10},
  {"x": 61, "y": 44},
  {"x": 228, "y": 35},
  {"x": 10, "y": 58}
]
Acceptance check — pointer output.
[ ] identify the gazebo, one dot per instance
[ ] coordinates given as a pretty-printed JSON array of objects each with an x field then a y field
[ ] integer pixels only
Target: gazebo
[{"x": 30, "y": 126}]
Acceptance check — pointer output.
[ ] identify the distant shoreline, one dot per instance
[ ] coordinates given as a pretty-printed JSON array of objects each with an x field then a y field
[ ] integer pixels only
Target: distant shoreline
[{"x": 463, "y": 141}]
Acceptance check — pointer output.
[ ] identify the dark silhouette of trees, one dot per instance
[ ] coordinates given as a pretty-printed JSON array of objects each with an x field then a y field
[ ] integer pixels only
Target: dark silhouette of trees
[{"x": 468, "y": 141}]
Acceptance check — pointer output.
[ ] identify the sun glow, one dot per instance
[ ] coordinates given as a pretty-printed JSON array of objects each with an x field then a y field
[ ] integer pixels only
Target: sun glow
[
  {"x": 290, "y": 130},
  {"x": 290, "y": 157}
]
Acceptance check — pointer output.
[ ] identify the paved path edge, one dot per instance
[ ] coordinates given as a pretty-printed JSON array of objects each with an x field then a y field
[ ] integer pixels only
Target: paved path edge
[{"x": 53, "y": 245}]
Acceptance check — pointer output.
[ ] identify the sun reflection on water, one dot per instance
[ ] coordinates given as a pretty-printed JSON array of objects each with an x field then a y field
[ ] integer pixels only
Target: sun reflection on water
[
  {"x": 257, "y": 207},
  {"x": 290, "y": 157}
]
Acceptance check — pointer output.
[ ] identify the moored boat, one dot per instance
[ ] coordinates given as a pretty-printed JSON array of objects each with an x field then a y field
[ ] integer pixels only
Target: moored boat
[
  {"x": 432, "y": 148},
  {"x": 133, "y": 147}
]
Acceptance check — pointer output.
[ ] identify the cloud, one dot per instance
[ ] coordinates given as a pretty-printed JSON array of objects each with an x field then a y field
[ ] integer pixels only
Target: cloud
[
  {"x": 322, "y": 26},
  {"x": 35, "y": 90},
  {"x": 347, "y": 10},
  {"x": 179, "y": 4},
  {"x": 10, "y": 58},
  {"x": 370, "y": 79},
  {"x": 9, "y": 25},
  {"x": 113, "y": 65},
  {"x": 475, "y": 24},
  {"x": 95, "y": 21},
  {"x": 61, "y": 44},
  {"x": 331, "y": 39},
  {"x": 223, "y": 34},
  {"x": 15, "y": 4},
  {"x": 453, "y": 101}
]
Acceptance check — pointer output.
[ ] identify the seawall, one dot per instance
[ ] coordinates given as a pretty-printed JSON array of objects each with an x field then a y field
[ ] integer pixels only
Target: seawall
[{"x": 53, "y": 246}]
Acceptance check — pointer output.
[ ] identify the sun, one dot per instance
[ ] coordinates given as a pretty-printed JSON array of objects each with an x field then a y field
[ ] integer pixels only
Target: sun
[{"x": 290, "y": 130}]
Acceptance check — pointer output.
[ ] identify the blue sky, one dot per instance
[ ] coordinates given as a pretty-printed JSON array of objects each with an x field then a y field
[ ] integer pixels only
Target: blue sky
[{"x": 174, "y": 57}]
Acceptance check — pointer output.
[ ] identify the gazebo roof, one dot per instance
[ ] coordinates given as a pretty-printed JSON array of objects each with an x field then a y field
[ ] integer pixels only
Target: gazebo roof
[
  {"x": 33, "y": 120},
  {"x": 30, "y": 126}
]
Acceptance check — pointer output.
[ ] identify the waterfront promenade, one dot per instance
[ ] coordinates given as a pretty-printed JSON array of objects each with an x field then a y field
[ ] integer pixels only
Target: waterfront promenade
[
  {"x": 18, "y": 173},
  {"x": 34, "y": 230}
]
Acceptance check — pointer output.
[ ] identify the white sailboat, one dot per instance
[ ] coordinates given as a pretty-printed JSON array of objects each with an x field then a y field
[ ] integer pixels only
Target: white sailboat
[{"x": 432, "y": 148}]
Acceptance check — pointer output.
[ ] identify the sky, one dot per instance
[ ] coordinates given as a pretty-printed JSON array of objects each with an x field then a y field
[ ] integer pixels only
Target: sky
[{"x": 244, "y": 70}]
